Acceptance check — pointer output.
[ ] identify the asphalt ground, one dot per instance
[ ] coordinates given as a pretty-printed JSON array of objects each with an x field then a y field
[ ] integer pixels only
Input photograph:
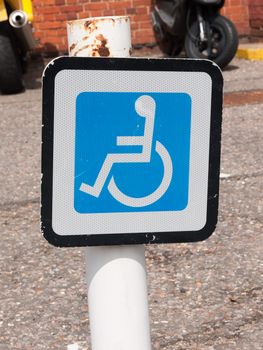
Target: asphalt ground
[{"x": 202, "y": 296}]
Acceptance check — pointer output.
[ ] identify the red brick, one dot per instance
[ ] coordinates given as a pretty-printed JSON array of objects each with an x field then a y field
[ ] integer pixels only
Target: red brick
[
  {"x": 70, "y": 8},
  {"x": 142, "y": 10},
  {"x": 120, "y": 12},
  {"x": 142, "y": 18},
  {"x": 255, "y": 2},
  {"x": 50, "y": 17},
  {"x": 120, "y": 5},
  {"x": 130, "y": 11},
  {"x": 96, "y": 6},
  {"x": 82, "y": 15},
  {"x": 257, "y": 23},
  {"x": 61, "y": 17},
  {"x": 95, "y": 13},
  {"x": 235, "y": 2},
  {"x": 53, "y": 40},
  {"x": 49, "y": 9},
  {"x": 142, "y": 3},
  {"x": 145, "y": 25},
  {"x": 72, "y": 16},
  {"x": 135, "y": 26},
  {"x": 50, "y": 25},
  {"x": 108, "y": 13}
]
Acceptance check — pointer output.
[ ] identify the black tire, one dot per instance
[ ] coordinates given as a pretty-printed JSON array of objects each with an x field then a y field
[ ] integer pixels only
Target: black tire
[
  {"x": 224, "y": 41},
  {"x": 11, "y": 80}
]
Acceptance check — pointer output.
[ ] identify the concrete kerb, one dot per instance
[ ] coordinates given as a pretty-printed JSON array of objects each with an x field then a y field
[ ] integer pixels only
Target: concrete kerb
[{"x": 250, "y": 51}]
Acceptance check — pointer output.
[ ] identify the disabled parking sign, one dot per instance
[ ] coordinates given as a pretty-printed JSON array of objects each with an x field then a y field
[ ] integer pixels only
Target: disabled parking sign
[
  {"x": 145, "y": 170},
  {"x": 131, "y": 150}
]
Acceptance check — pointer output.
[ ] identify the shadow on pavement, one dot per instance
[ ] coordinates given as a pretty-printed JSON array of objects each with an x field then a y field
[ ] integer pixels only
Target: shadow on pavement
[
  {"x": 33, "y": 75},
  {"x": 230, "y": 68}
]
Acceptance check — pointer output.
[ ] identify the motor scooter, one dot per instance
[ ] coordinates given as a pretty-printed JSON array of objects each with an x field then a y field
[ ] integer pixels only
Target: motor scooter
[
  {"x": 16, "y": 40},
  {"x": 197, "y": 27}
]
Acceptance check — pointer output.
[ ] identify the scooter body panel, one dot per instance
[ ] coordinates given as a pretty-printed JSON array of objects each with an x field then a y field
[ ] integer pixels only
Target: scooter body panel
[
  {"x": 217, "y": 3},
  {"x": 24, "y": 5},
  {"x": 171, "y": 15},
  {"x": 3, "y": 12}
]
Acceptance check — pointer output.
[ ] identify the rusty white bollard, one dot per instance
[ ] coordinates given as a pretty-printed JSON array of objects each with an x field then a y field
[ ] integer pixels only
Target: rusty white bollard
[{"x": 116, "y": 275}]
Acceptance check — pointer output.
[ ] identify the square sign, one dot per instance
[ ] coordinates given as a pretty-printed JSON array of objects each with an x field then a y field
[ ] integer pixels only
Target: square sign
[
  {"x": 131, "y": 150},
  {"x": 140, "y": 175}
]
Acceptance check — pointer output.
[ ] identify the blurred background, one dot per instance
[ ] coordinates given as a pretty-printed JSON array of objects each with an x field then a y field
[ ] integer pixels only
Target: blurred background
[{"x": 50, "y": 19}]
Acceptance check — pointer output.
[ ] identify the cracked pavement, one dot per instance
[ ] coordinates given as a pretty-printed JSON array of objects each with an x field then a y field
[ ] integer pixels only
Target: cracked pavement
[{"x": 202, "y": 296}]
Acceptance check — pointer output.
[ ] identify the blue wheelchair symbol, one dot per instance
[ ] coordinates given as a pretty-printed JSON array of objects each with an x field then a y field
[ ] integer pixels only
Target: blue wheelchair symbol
[{"x": 132, "y": 152}]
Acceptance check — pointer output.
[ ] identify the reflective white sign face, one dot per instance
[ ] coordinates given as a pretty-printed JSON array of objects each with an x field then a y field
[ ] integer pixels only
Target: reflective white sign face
[{"x": 131, "y": 150}]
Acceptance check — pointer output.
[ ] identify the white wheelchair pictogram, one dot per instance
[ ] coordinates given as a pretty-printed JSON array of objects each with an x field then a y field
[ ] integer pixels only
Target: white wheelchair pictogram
[{"x": 145, "y": 106}]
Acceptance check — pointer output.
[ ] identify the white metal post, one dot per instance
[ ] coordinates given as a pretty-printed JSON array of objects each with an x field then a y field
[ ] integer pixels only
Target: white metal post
[{"x": 116, "y": 275}]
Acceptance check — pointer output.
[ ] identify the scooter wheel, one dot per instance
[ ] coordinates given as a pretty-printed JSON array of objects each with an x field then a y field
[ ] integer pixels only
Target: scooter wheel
[
  {"x": 223, "y": 38},
  {"x": 10, "y": 68}
]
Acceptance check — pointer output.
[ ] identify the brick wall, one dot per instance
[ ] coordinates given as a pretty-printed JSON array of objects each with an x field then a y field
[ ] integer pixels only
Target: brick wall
[
  {"x": 256, "y": 17},
  {"x": 237, "y": 12},
  {"x": 50, "y": 18}
]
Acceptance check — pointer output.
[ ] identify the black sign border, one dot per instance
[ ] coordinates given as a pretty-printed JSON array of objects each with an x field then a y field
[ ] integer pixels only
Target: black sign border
[{"x": 129, "y": 64}]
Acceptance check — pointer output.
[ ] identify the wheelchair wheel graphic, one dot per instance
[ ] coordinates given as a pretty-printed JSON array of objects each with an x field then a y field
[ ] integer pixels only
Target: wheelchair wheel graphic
[{"x": 154, "y": 196}]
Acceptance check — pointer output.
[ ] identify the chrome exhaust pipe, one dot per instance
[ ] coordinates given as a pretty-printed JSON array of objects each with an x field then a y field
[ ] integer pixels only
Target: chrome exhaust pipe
[{"x": 22, "y": 28}]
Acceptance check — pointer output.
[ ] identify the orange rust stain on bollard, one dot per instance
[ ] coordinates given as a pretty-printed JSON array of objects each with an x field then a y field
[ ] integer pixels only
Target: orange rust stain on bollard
[
  {"x": 72, "y": 47},
  {"x": 98, "y": 48},
  {"x": 102, "y": 49},
  {"x": 81, "y": 49},
  {"x": 87, "y": 24}
]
